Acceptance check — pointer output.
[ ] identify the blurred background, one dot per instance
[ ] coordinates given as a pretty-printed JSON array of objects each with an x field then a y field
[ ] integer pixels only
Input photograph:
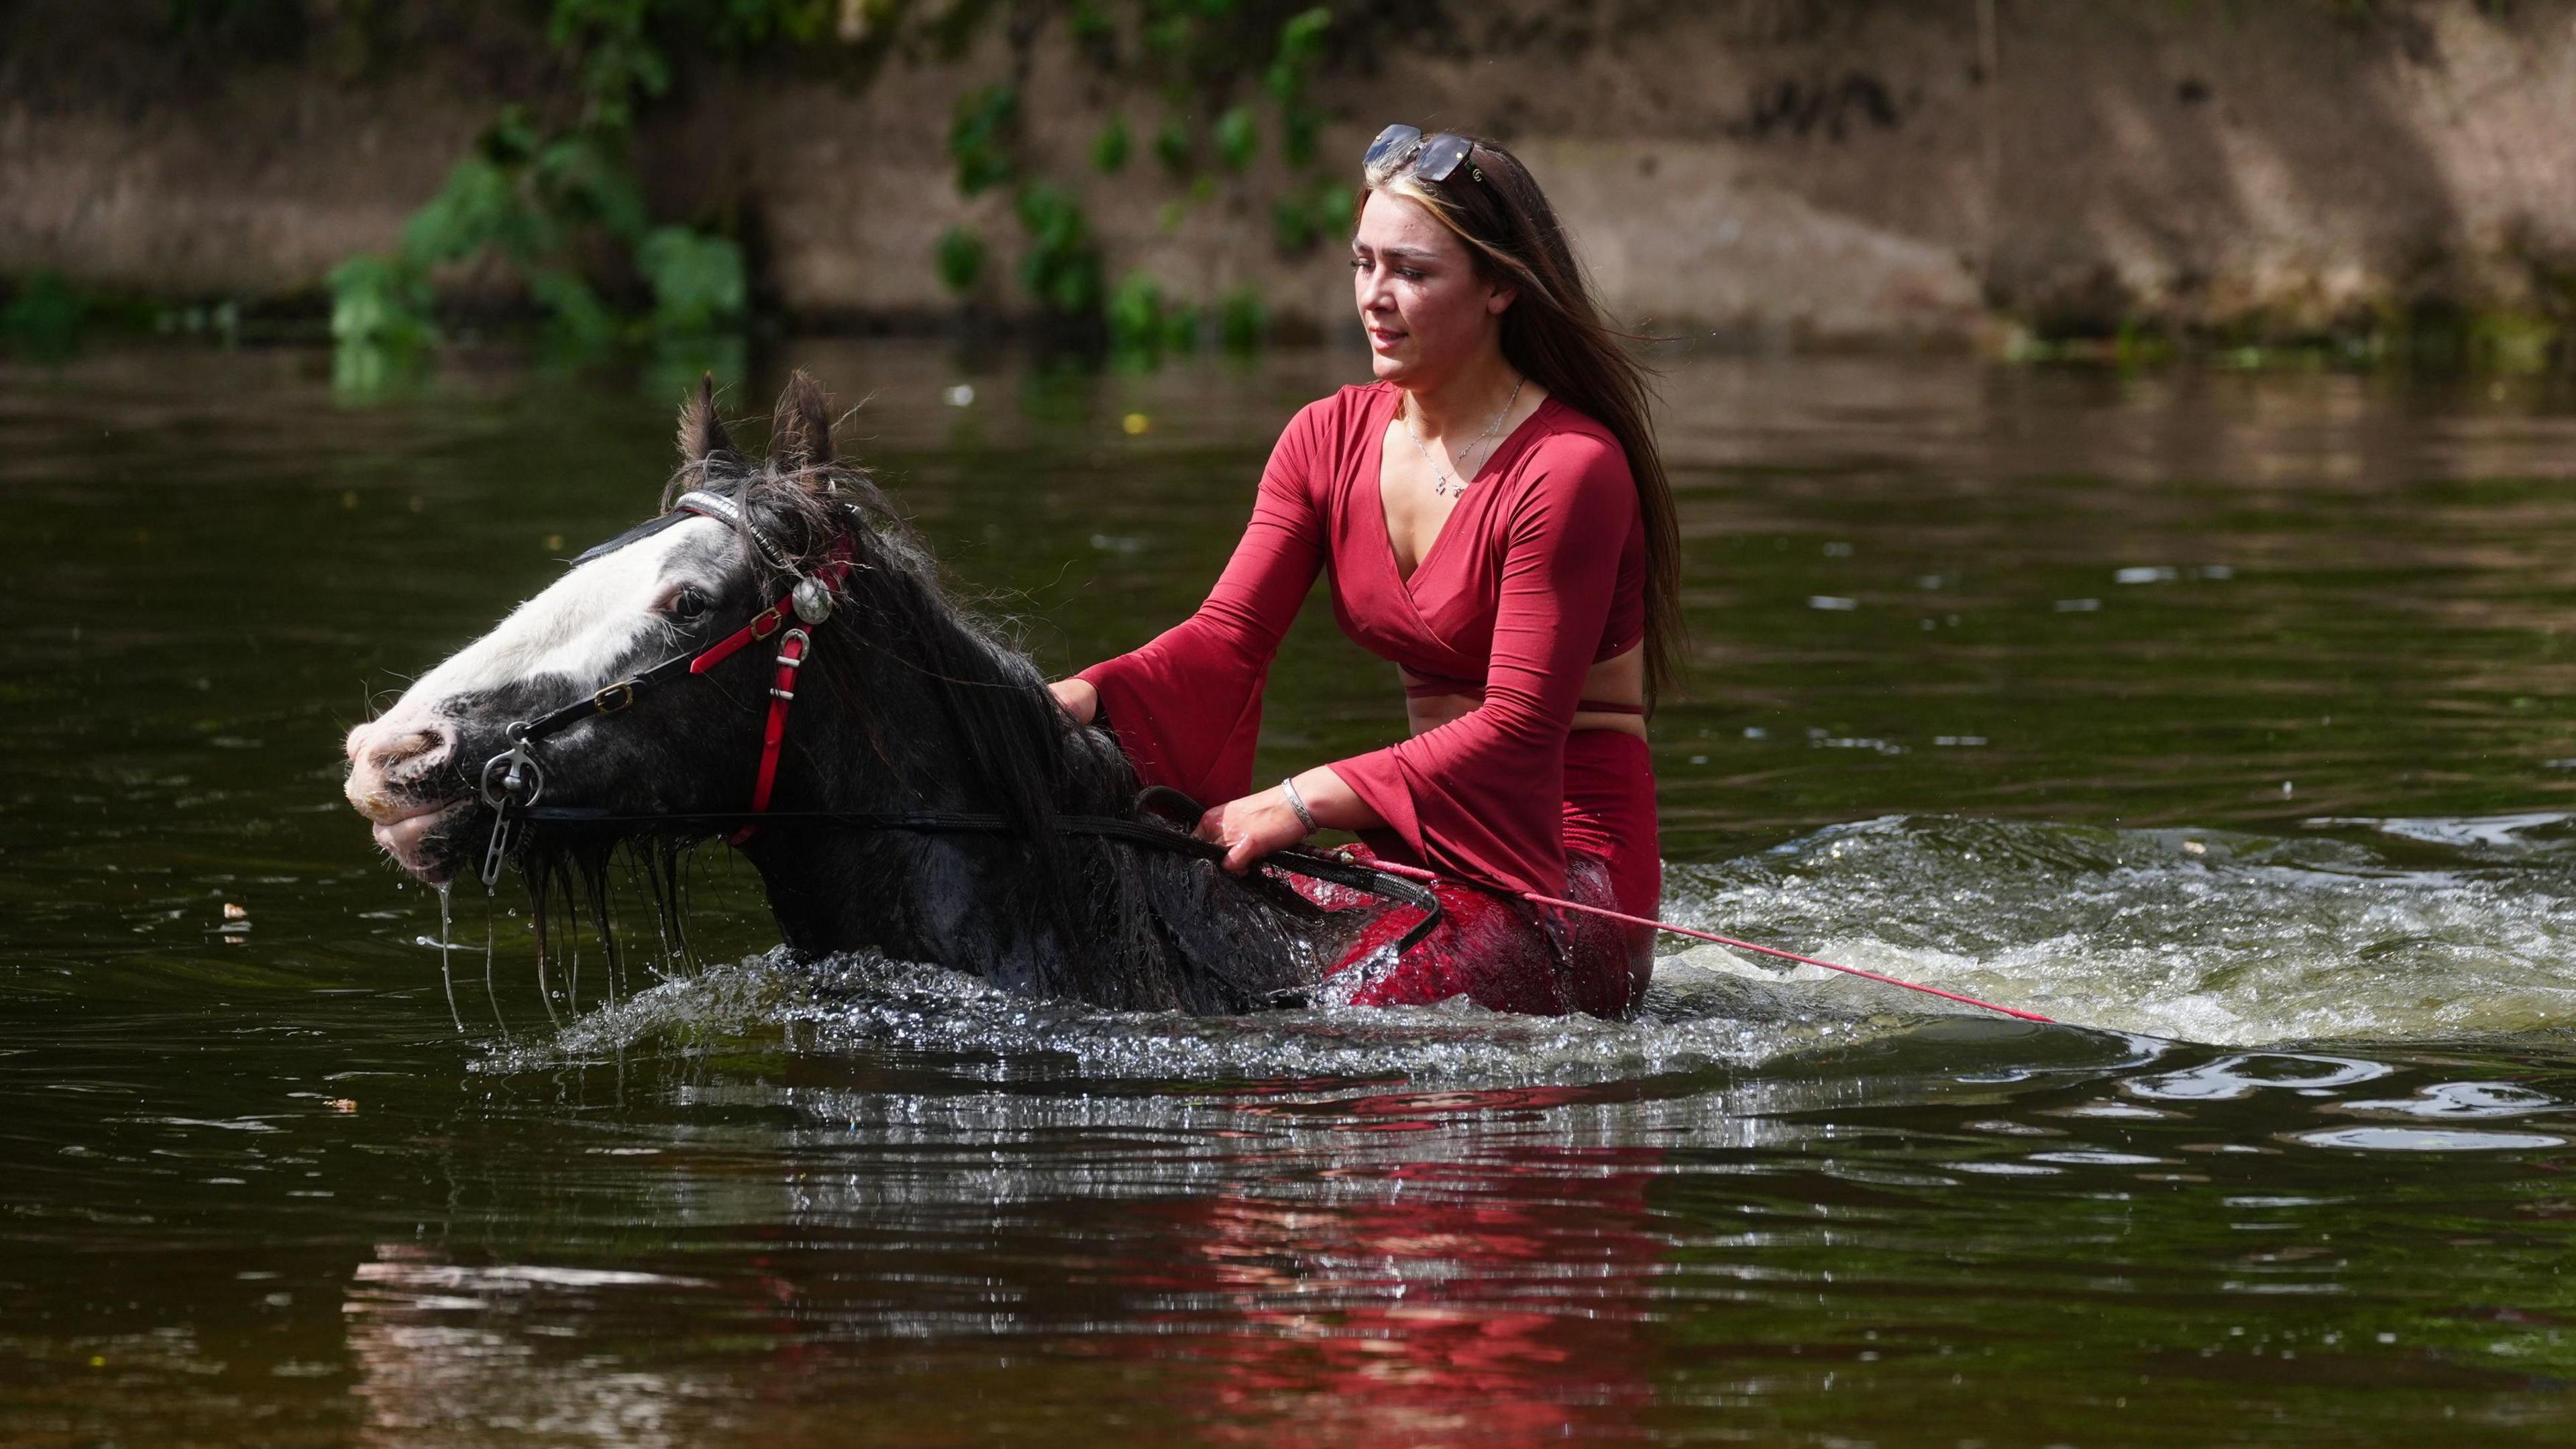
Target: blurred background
[{"x": 2362, "y": 180}]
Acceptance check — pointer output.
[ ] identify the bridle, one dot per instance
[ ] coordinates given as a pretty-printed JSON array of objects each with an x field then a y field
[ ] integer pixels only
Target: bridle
[{"x": 513, "y": 781}]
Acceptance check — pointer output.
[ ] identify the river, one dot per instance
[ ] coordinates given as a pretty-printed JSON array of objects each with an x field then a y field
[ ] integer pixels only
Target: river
[{"x": 2222, "y": 716}]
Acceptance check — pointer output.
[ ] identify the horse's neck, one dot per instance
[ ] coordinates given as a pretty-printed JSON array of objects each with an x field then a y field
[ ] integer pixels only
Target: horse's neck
[{"x": 918, "y": 894}]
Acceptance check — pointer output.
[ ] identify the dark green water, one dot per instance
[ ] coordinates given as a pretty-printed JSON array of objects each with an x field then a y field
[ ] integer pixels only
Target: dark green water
[{"x": 2282, "y": 820}]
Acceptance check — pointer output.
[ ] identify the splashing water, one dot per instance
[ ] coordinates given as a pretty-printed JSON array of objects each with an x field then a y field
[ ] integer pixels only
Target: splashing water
[
  {"x": 2384, "y": 931},
  {"x": 446, "y": 946}
]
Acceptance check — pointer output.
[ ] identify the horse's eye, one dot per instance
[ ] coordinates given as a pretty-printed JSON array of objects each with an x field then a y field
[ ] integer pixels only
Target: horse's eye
[{"x": 690, "y": 605}]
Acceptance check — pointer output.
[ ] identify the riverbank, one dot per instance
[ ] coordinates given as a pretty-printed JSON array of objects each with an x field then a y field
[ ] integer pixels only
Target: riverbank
[{"x": 2007, "y": 177}]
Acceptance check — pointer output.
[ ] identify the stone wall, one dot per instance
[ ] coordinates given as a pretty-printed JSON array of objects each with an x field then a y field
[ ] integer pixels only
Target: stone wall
[{"x": 1817, "y": 172}]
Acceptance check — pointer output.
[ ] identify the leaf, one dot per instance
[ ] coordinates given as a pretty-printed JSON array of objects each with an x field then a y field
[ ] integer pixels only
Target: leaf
[
  {"x": 576, "y": 310},
  {"x": 1135, "y": 314},
  {"x": 980, "y": 136},
  {"x": 1176, "y": 146},
  {"x": 697, "y": 279},
  {"x": 580, "y": 175},
  {"x": 1062, "y": 266},
  {"x": 44, "y": 320},
  {"x": 960, "y": 256},
  {"x": 478, "y": 207},
  {"x": 1238, "y": 138},
  {"x": 1109, "y": 152},
  {"x": 1242, "y": 321},
  {"x": 379, "y": 301}
]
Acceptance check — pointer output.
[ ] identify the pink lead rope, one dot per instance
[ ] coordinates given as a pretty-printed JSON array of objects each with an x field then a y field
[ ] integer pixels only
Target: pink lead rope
[{"x": 1418, "y": 873}]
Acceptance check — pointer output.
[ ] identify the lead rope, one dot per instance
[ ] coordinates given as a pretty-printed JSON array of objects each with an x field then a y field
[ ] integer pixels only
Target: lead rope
[{"x": 1417, "y": 873}]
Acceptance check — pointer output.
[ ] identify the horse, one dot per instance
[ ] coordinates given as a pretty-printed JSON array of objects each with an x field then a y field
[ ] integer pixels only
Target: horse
[{"x": 931, "y": 801}]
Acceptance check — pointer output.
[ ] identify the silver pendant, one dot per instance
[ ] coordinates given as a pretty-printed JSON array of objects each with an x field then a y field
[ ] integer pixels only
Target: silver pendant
[{"x": 813, "y": 600}]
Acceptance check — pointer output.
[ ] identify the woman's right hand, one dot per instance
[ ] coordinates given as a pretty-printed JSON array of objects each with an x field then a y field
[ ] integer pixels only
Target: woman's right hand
[{"x": 1078, "y": 698}]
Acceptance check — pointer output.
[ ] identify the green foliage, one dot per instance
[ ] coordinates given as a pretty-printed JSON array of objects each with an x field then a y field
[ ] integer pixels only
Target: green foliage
[
  {"x": 697, "y": 280},
  {"x": 1109, "y": 152},
  {"x": 561, "y": 210},
  {"x": 558, "y": 209},
  {"x": 1143, "y": 323},
  {"x": 1302, "y": 216},
  {"x": 980, "y": 138},
  {"x": 960, "y": 257},
  {"x": 1062, "y": 267},
  {"x": 1135, "y": 314},
  {"x": 1242, "y": 321},
  {"x": 380, "y": 302},
  {"x": 1090, "y": 23},
  {"x": 1301, "y": 45},
  {"x": 1301, "y": 127},
  {"x": 620, "y": 66},
  {"x": 580, "y": 318},
  {"x": 1238, "y": 138},
  {"x": 1177, "y": 147},
  {"x": 43, "y": 321},
  {"x": 1200, "y": 55},
  {"x": 537, "y": 204}
]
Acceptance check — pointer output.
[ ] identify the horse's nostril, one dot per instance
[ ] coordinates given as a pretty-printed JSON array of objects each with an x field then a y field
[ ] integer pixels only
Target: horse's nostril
[{"x": 394, "y": 751}]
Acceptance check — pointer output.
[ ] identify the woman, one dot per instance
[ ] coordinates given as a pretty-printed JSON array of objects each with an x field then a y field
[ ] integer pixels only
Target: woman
[{"x": 1498, "y": 524}]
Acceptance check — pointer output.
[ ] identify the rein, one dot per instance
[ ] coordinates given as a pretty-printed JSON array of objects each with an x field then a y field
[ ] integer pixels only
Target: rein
[{"x": 513, "y": 781}]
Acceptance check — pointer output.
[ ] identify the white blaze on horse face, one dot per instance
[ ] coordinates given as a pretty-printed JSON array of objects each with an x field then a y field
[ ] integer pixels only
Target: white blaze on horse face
[{"x": 584, "y": 628}]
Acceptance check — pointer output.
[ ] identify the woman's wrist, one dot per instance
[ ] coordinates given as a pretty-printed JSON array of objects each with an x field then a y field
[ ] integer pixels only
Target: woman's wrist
[
  {"x": 1332, "y": 802},
  {"x": 1297, "y": 804}
]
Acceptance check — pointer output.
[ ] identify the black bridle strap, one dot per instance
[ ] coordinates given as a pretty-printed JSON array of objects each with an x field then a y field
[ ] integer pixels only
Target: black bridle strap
[
  {"x": 621, "y": 694},
  {"x": 1314, "y": 864}
]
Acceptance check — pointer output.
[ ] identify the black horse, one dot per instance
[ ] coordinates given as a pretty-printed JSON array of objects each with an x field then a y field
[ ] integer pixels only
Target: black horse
[{"x": 914, "y": 712}]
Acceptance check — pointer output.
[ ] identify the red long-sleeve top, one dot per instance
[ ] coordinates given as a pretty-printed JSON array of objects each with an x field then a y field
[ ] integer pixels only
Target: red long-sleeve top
[{"x": 1538, "y": 573}]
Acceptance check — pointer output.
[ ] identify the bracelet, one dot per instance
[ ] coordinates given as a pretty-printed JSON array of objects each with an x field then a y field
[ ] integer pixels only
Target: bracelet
[{"x": 1297, "y": 802}]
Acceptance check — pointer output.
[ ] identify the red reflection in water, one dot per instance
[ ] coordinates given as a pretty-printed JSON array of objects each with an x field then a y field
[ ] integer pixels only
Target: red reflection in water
[{"x": 1497, "y": 1299}]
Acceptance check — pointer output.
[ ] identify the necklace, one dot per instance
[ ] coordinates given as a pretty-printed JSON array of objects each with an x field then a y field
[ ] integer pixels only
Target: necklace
[{"x": 1441, "y": 482}]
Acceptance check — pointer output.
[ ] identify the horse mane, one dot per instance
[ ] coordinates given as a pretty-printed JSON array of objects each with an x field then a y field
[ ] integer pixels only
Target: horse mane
[{"x": 1117, "y": 925}]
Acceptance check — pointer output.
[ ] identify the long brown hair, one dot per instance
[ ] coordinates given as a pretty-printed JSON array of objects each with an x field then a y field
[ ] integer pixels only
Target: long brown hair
[{"x": 1554, "y": 334}]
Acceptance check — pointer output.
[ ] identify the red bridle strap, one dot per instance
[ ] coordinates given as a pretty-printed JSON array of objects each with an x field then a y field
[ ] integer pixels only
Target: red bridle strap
[
  {"x": 782, "y": 697},
  {"x": 782, "y": 690}
]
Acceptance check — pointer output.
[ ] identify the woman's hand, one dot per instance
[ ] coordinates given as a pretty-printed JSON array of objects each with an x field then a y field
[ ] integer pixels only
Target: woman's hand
[
  {"x": 1252, "y": 827},
  {"x": 1258, "y": 824},
  {"x": 1078, "y": 698}
]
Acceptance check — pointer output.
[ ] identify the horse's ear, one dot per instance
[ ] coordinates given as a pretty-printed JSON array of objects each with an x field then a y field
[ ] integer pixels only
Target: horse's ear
[
  {"x": 701, "y": 433},
  {"x": 800, "y": 433}
]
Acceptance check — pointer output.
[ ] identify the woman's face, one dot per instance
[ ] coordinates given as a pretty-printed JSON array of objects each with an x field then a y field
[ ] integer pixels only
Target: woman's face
[{"x": 1428, "y": 314}]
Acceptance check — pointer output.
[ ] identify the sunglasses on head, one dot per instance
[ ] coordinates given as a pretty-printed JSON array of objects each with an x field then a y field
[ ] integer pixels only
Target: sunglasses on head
[{"x": 1432, "y": 158}]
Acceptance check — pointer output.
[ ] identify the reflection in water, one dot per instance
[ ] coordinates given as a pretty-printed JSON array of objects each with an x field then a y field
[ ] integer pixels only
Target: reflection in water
[
  {"x": 2425, "y": 1139},
  {"x": 2231, "y": 1077}
]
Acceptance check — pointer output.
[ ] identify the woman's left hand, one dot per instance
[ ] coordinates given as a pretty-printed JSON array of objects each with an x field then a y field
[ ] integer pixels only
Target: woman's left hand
[{"x": 1252, "y": 827}]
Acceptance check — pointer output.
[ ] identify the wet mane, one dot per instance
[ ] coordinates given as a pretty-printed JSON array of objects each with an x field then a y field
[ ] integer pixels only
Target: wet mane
[{"x": 916, "y": 703}]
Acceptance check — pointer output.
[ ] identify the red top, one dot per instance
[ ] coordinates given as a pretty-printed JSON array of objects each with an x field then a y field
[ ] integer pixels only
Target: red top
[{"x": 1539, "y": 572}]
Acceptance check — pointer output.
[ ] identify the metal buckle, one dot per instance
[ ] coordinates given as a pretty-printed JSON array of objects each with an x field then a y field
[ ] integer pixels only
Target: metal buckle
[
  {"x": 615, "y": 697},
  {"x": 766, "y": 622}
]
